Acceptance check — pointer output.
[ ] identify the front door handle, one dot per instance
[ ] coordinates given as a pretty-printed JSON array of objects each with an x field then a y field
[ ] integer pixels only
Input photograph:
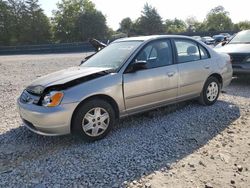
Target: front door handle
[{"x": 170, "y": 74}]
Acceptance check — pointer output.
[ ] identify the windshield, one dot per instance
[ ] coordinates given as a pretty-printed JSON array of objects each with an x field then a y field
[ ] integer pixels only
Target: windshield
[
  {"x": 113, "y": 56},
  {"x": 241, "y": 37}
]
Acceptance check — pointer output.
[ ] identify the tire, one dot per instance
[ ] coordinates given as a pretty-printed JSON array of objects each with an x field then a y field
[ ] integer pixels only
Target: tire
[
  {"x": 210, "y": 92},
  {"x": 93, "y": 119}
]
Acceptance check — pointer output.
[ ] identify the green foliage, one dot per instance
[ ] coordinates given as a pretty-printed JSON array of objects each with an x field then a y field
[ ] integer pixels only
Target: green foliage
[
  {"x": 150, "y": 21},
  {"x": 23, "y": 22},
  {"x": 244, "y": 25},
  {"x": 218, "y": 20},
  {"x": 91, "y": 24},
  {"x": 78, "y": 20},
  {"x": 175, "y": 26},
  {"x": 5, "y": 20},
  {"x": 36, "y": 25},
  {"x": 126, "y": 26},
  {"x": 193, "y": 25}
]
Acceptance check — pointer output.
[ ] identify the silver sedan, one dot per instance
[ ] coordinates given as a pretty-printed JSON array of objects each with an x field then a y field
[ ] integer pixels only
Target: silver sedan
[{"x": 128, "y": 76}]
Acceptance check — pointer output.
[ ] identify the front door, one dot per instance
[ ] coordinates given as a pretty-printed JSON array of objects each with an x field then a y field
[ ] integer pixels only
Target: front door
[{"x": 154, "y": 85}]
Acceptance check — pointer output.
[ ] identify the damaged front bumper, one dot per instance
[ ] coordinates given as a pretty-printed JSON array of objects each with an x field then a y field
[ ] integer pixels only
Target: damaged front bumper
[{"x": 48, "y": 121}]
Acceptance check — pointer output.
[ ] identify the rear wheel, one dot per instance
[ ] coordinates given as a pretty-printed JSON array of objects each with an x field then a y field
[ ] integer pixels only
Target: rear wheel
[
  {"x": 93, "y": 119},
  {"x": 210, "y": 92}
]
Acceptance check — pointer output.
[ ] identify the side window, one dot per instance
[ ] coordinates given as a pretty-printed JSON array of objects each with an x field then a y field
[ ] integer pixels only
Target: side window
[
  {"x": 147, "y": 51},
  {"x": 187, "y": 50},
  {"x": 153, "y": 54},
  {"x": 203, "y": 52},
  {"x": 156, "y": 54}
]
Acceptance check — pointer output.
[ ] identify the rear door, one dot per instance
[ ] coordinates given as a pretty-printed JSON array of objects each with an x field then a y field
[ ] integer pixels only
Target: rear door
[
  {"x": 194, "y": 67},
  {"x": 154, "y": 85}
]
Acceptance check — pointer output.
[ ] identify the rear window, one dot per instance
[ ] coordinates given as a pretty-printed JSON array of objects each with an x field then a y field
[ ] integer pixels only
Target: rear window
[
  {"x": 188, "y": 50},
  {"x": 203, "y": 52}
]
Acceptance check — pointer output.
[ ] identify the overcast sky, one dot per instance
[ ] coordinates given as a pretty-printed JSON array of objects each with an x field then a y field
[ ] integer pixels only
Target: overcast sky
[{"x": 116, "y": 10}]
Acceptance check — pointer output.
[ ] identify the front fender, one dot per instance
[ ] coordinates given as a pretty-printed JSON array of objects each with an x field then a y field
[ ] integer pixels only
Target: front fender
[{"x": 109, "y": 85}]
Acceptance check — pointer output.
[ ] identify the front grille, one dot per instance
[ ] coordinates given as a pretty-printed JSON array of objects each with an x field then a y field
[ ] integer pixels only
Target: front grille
[
  {"x": 24, "y": 97},
  {"x": 28, "y": 98},
  {"x": 238, "y": 58}
]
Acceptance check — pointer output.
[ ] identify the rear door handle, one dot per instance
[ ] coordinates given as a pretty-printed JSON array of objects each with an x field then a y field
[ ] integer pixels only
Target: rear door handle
[
  {"x": 207, "y": 67},
  {"x": 170, "y": 74}
]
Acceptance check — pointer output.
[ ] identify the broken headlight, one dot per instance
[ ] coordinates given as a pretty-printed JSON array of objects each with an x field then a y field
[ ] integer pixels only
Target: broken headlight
[
  {"x": 52, "y": 99},
  {"x": 37, "y": 90}
]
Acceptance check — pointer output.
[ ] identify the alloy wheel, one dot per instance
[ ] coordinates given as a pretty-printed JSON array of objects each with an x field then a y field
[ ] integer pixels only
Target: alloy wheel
[
  {"x": 212, "y": 91},
  {"x": 95, "y": 122}
]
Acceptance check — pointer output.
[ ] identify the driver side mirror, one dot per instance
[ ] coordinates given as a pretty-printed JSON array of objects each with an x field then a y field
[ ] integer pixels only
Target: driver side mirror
[{"x": 137, "y": 65}]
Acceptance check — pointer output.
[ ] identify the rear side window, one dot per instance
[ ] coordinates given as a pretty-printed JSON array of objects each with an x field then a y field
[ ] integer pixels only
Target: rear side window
[
  {"x": 188, "y": 50},
  {"x": 203, "y": 52}
]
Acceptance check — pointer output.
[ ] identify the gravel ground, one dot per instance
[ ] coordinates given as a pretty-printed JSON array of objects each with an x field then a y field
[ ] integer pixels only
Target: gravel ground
[{"x": 183, "y": 145}]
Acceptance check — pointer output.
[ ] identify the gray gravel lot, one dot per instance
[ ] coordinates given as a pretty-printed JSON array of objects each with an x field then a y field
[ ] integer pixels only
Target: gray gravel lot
[{"x": 138, "y": 147}]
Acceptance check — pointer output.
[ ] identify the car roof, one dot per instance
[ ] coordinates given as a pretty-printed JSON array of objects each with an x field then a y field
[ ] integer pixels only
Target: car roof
[{"x": 151, "y": 37}]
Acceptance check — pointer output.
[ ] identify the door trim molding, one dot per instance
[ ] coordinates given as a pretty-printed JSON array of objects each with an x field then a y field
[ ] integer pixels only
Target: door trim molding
[
  {"x": 191, "y": 83},
  {"x": 149, "y": 93}
]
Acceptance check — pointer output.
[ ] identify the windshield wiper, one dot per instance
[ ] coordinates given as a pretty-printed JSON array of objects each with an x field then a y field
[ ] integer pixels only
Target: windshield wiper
[{"x": 109, "y": 71}]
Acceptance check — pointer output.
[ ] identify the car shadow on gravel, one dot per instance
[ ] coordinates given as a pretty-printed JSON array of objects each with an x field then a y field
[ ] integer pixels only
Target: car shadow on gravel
[{"x": 138, "y": 146}]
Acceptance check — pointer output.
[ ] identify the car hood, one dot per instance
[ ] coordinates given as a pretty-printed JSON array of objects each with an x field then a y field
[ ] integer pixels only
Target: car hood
[
  {"x": 234, "y": 48},
  {"x": 67, "y": 75}
]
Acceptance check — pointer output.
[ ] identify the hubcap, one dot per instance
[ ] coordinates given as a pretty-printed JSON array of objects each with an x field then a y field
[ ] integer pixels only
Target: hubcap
[
  {"x": 95, "y": 122},
  {"x": 212, "y": 91}
]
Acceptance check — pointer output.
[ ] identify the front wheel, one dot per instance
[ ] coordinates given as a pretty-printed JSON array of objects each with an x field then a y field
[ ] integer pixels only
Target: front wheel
[
  {"x": 210, "y": 92},
  {"x": 93, "y": 119}
]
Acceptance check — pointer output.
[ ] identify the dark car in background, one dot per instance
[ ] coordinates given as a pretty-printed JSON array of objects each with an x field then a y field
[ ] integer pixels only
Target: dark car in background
[
  {"x": 208, "y": 40},
  {"x": 227, "y": 35},
  {"x": 239, "y": 50},
  {"x": 219, "y": 38}
]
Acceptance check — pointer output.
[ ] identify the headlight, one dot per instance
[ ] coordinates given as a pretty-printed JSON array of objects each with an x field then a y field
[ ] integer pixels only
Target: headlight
[
  {"x": 38, "y": 90},
  {"x": 52, "y": 99}
]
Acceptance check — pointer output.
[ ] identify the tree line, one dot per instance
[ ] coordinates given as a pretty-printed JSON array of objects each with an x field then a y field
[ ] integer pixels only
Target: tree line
[
  {"x": 24, "y": 22},
  {"x": 150, "y": 22}
]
